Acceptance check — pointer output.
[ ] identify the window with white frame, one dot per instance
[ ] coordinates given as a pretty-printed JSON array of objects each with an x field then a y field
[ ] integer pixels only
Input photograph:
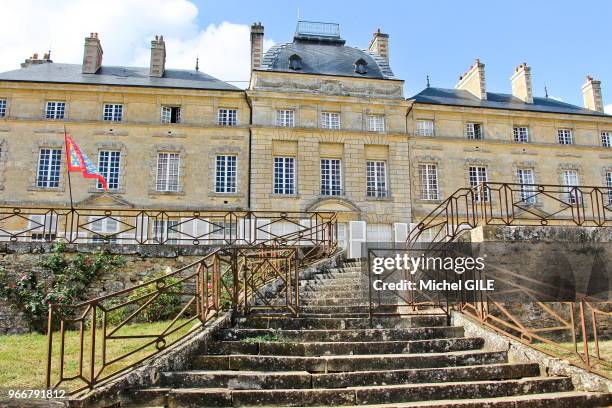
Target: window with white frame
[
  {"x": 55, "y": 110},
  {"x": 48, "y": 174},
  {"x": 478, "y": 175},
  {"x": 2, "y": 108},
  {"x": 565, "y": 136},
  {"x": 284, "y": 175},
  {"x": 166, "y": 231},
  {"x": 168, "y": 168},
  {"x": 376, "y": 179},
  {"x": 171, "y": 114},
  {"x": 376, "y": 123},
  {"x": 425, "y": 127},
  {"x": 428, "y": 175},
  {"x": 228, "y": 117},
  {"x": 525, "y": 178},
  {"x": 331, "y": 177},
  {"x": 108, "y": 166},
  {"x": 606, "y": 138},
  {"x": 285, "y": 117},
  {"x": 330, "y": 120},
  {"x": 609, "y": 184},
  {"x": 104, "y": 229},
  {"x": 42, "y": 227},
  {"x": 113, "y": 112},
  {"x": 570, "y": 180},
  {"x": 225, "y": 177},
  {"x": 521, "y": 134},
  {"x": 473, "y": 130}
]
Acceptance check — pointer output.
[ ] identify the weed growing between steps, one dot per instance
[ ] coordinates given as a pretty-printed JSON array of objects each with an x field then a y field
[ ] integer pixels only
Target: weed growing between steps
[{"x": 266, "y": 338}]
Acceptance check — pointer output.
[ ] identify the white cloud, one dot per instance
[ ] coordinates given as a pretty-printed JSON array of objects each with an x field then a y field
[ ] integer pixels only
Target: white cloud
[
  {"x": 608, "y": 109},
  {"x": 125, "y": 28}
]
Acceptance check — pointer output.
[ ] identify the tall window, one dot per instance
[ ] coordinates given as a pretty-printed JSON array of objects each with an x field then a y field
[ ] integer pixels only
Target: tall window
[
  {"x": 330, "y": 120},
  {"x": 606, "y": 138},
  {"x": 55, "y": 110},
  {"x": 168, "y": 165},
  {"x": 428, "y": 175},
  {"x": 166, "y": 231},
  {"x": 104, "y": 230},
  {"x": 609, "y": 184},
  {"x": 376, "y": 179},
  {"x": 48, "y": 168},
  {"x": 284, "y": 175},
  {"x": 285, "y": 118},
  {"x": 113, "y": 112},
  {"x": 521, "y": 134},
  {"x": 225, "y": 178},
  {"x": 425, "y": 128},
  {"x": 108, "y": 166},
  {"x": 478, "y": 175},
  {"x": 376, "y": 123},
  {"x": 565, "y": 136},
  {"x": 525, "y": 177},
  {"x": 473, "y": 130},
  {"x": 228, "y": 117},
  {"x": 170, "y": 114},
  {"x": 570, "y": 179},
  {"x": 331, "y": 177},
  {"x": 2, "y": 108}
]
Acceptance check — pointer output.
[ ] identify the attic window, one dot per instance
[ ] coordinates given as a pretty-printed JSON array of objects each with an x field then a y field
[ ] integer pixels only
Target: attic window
[
  {"x": 361, "y": 67},
  {"x": 295, "y": 62}
]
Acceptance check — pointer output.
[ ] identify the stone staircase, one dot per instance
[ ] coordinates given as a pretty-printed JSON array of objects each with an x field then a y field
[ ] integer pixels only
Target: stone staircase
[{"x": 333, "y": 354}]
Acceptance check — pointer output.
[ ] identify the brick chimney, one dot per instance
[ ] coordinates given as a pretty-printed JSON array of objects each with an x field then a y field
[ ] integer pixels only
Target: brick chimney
[
  {"x": 521, "y": 83},
  {"x": 92, "y": 55},
  {"x": 34, "y": 60},
  {"x": 379, "y": 44},
  {"x": 158, "y": 57},
  {"x": 591, "y": 93},
  {"x": 257, "y": 37},
  {"x": 473, "y": 80}
]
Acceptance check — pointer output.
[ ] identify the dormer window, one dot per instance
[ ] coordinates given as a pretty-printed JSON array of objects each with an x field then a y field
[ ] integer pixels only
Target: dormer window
[
  {"x": 361, "y": 67},
  {"x": 295, "y": 62}
]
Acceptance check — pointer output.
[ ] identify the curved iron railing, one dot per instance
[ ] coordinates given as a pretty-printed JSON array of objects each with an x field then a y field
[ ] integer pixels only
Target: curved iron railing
[
  {"x": 569, "y": 329},
  {"x": 94, "y": 341}
]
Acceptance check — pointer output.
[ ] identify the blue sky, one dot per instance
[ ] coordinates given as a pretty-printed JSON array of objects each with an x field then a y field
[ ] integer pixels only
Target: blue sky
[{"x": 561, "y": 40}]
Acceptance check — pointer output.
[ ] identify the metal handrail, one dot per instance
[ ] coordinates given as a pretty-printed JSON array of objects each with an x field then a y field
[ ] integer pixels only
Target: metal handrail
[{"x": 230, "y": 277}]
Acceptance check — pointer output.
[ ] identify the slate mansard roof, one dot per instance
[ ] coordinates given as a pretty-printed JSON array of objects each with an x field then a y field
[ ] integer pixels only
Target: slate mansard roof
[
  {"x": 458, "y": 97},
  {"x": 324, "y": 54},
  {"x": 120, "y": 76}
]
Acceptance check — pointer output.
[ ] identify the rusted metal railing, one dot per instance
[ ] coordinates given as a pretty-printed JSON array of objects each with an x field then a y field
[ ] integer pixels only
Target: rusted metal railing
[
  {"x": 569, "y": 329},
  {"x": 94, "y": 341}
]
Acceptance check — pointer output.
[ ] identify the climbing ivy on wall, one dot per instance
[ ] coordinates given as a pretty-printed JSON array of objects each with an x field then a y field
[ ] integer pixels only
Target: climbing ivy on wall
[{"x": 68, "y": 280}]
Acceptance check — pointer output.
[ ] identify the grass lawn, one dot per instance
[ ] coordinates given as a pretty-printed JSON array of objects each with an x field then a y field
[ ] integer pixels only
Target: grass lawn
[{"x": 23, "y": 357}]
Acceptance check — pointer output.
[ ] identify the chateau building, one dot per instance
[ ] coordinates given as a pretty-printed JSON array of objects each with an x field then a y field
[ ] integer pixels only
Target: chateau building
[{"x": 322, "y": 126}]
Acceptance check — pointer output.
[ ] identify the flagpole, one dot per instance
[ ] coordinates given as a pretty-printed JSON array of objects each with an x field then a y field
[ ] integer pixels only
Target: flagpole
[{"x": 68, "y": 171}]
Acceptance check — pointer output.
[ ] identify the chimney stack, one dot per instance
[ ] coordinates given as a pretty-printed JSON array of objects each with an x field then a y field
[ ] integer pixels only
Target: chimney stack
[
  {"x": 257, "y": 37},
  {"x": 379, "y": 44},
  {"x": 92, "y": 56},
  {"x": 34, "y": 60},
  {"x": 591, "y": 92},
  {"x": 158, "y": 57},
  {"x": 521, "y": 83},
  {"x": 473, "y": 81}
]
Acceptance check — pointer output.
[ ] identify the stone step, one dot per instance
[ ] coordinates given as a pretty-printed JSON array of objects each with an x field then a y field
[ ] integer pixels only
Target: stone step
[
  {"x": 319, "y": 322},
  {"x": 570, "y": 399},
  {"x": 326, "y": 364},
  {"x": 357, "y": 280},
  {"x": 336, "y": 301},
  {"x": 346, "y": 348},
  {"x": 190, "y": 397},
  {"x": 241, "y": 380},
  {"x": 333, "y": 310},
  {"x": 405, "y": 334},
  {"x": 324, "y": 286},
  {"x": 323, "y": 294}
]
